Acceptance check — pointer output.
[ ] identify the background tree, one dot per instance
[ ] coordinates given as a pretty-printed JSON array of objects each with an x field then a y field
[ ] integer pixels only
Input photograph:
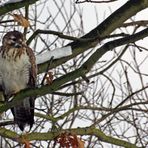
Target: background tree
[{"x": 98, "y": 97}]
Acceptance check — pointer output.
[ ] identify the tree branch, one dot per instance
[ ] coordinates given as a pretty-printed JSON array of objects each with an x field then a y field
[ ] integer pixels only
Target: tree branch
[
  {"x": 63, "y": 36},
  {"x": 78, "y": 131},
  {"x": 93, "y": 1},
  {"x": 12, "y": 6},
  {"x": 59, "y": 34}
]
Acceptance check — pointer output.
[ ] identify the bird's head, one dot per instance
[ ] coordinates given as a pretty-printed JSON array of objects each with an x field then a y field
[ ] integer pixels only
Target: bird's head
[{"x": 13, "y": 39}]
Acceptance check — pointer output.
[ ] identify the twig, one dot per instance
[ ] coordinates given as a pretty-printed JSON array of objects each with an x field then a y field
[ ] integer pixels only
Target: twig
[
  {"x": 61, "y": 35},
  {"x": 6, "y": 123},
  {"x": 92, "y": 1}
]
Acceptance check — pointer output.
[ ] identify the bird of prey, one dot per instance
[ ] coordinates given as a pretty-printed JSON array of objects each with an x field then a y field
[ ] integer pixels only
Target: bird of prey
[{"x": 17, "y": 72}]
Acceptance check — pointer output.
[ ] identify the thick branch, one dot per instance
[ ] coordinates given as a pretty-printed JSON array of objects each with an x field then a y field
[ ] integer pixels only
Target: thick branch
[
  {"x": 78, "y": 131},
  {"x": 12, "y": 6}
]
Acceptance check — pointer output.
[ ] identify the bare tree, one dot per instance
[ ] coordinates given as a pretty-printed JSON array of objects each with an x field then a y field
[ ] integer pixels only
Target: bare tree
[{"x": 98, "y": 96}]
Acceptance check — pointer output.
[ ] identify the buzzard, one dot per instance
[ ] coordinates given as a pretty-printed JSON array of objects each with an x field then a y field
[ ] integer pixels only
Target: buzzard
[{"x": 17, "y": 72}]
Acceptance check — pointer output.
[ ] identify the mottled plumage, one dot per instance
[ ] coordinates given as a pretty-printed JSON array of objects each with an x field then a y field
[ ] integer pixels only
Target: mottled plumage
[{"x": 17, "y": 72}]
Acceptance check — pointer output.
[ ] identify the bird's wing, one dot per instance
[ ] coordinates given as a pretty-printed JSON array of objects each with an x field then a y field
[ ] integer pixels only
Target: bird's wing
[
  {"x": 1, "y": 90},
  {"x": 33, "y": 69}
]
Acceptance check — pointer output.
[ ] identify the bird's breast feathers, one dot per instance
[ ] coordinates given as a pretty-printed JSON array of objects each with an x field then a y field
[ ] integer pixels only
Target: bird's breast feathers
[{"x": 14, "y": 71}]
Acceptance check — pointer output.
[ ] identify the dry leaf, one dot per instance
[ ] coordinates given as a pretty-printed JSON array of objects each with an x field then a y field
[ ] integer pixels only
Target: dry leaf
[
  {"x": 67, "y": 140},
  {"x": 49, "y": 78},
  {"x": 21, "y": 20},
  {"x": 27, "y": 144},
  {"x": 25, "y": 141},
  {"x": 80, "y": 143}
]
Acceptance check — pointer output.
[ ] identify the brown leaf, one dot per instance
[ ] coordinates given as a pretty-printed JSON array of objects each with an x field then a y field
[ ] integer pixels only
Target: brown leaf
[
  {"x": 80, "y": 143},
  {"x": 27, "y": 144},
  {"x": 69, "y": 140},
  {"x": 21, "y": 20},
  {"x": 49, "y": 78},
  {"x": 23, "y": 139}
]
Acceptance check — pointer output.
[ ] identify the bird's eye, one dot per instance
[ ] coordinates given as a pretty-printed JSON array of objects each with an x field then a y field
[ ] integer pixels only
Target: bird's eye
[{"x": 14, "y": 39}]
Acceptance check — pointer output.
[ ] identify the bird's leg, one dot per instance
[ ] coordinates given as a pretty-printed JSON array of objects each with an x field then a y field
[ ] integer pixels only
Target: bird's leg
[{"x": 9, "y": 97}]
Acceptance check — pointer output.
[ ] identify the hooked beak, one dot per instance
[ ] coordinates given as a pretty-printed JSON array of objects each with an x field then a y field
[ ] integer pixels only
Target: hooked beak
[{"x": 17, "y": 45}]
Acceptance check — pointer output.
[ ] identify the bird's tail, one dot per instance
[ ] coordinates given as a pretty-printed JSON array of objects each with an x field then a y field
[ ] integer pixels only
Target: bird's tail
[{"x": 24, "y": 113}]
